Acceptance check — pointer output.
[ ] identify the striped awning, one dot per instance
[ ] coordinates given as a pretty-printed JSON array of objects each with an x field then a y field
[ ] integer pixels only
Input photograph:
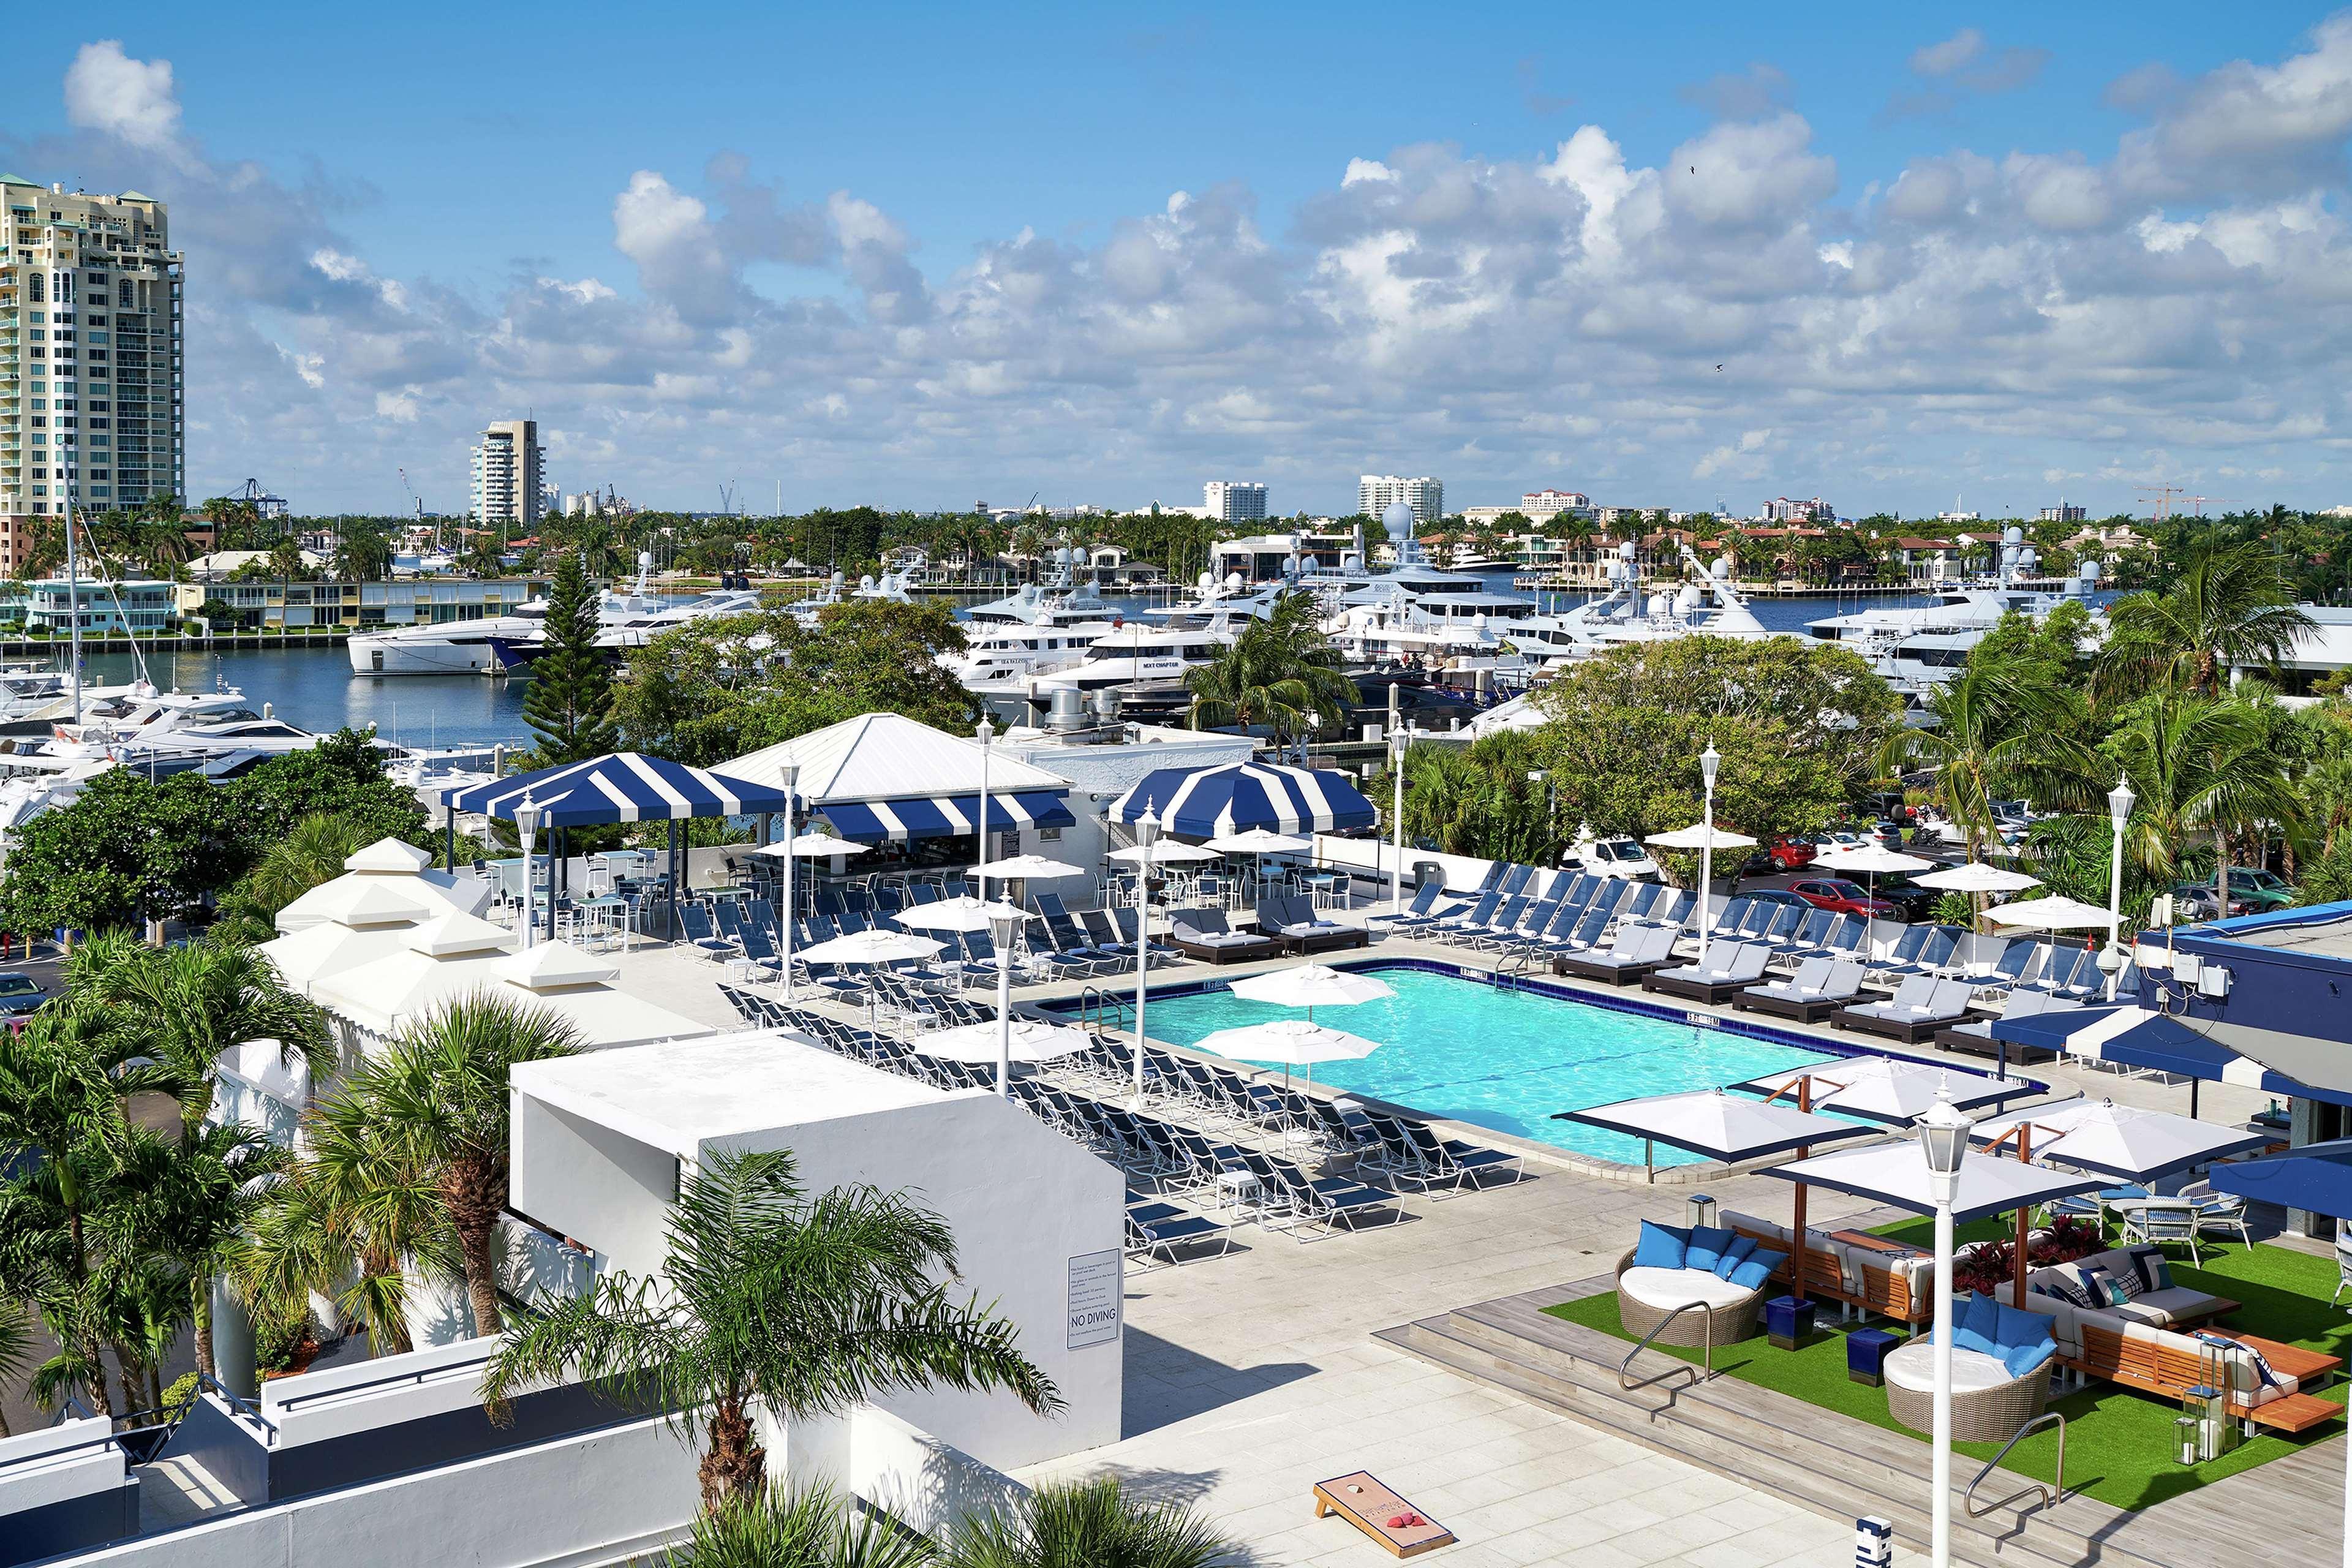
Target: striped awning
[
  {"x": 2139, "y": 1037},
  {"x": 1208, "y": 803},
  {"x": 940, "y": 817},
  {"x": 626, "y": 786}
]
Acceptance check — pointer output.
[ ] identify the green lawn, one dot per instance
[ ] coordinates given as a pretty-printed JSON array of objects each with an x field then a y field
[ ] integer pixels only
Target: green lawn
[{"x": 2118, "y": 1442}]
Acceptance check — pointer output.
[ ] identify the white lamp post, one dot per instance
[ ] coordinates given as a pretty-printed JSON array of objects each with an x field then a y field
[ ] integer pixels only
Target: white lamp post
[
  {"x": 2120, "y": 800},
  {"x": 1708, "y": 762},
  {"x": 1943, "y": 1139},
  {"x": 789, "y": 776},
  {"x": 1005, "y": 929},
  {"x": 1147, "y": 833},
  {"x": 987, "y": 737},
  {"x": 527, "y": 819},
  {"x": 1396, "y": 809}
]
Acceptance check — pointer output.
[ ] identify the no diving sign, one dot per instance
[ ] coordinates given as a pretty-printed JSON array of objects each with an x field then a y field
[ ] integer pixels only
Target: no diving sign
[{"x": 1096, "y": 1289}]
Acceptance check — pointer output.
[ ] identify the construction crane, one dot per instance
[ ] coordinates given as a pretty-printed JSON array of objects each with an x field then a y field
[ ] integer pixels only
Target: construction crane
[{"x": 419, "y": 501}]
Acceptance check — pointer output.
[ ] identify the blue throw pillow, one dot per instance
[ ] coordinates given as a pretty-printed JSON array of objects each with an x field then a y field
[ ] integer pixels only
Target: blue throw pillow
[
  {"x": 1661, "y": 1246},
  {"x": 1706, "y": 1245},
  {"x": 2023, "y": 1359},
  {"x": 2022, "y": 1329},
  {"x": 1980, "y": 1315},
  {"x": 1756, "y": 1267},
  {"x": 1965, "y": 1338},
  {"x": 1734, "y": 1255}
]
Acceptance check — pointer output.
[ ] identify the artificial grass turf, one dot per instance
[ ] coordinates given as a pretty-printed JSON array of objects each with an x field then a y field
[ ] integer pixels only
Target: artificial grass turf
[{"x": 2118, "y": 1441}]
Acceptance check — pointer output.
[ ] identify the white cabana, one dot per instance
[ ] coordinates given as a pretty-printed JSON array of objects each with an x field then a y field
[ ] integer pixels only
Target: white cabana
[
  {"x": 389, "y": 867},
  {"x": 2120, "y": 1141},
  {"x": 1897, "y": 1173},
  {"x": 2056, "y": 912},
  {"x": 1886, "y": 1088}
]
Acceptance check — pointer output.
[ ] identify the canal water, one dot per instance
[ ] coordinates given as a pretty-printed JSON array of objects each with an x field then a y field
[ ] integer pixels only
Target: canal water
[{"x": 315, "y": 687}]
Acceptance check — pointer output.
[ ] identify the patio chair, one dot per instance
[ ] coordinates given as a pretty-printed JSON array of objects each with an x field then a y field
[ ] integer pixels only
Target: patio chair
[
  {"x": 1158, "y": 1228},
  {"x": 1806, "y": 940},
  {"x": 1584, "y": 933},
  {"x": 1672, "y": 908},
  {"x": 2058, "y": 972},
  {"x": 1635, "y": 952},
  {"x": 1452, "y": 1160},
  {"x": 1502, "y": 918},
  {"x": 1329, "y": 1202},
  {"x": 1974, "y": 1037},
  {"x": 1730, "y": 968},
  {"x": 1204, "y": 934},
  {"x": 1920, "y": 1005},
  {"x": 1727, "y": 918},
  {"x": 694, "y": 921},
  {"x": 1475, "y": 914},
  {"x": 2162, "y": 1221},
  {"x": 759, "y": 956},
  {"x": 2223, "y": 1212},
  {"x": 1820, "y": 987},
  {"x": 1424, "y": 900}
]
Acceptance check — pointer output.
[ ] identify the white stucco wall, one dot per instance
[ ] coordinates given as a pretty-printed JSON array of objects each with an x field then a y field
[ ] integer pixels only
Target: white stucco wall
[
  {"x": 606, "y": 1189},
  {"x": 38, "y": 1469}
]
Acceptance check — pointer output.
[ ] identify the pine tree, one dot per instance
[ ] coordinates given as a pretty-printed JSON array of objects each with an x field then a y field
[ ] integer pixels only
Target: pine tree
[{"x": 570, "y": 705}]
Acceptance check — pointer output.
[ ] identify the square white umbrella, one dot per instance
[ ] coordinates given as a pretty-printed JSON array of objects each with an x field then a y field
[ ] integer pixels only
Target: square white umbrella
[
  {"x": 1976, "y": 877},
  {"x": 1884, "y": 1089},
  {"x": 1871, "y": 859},
  {"x": 960, "y": 913},
  {"x": 1312, "y": 985},
  {"x": 2056, "y": 912},
  {"x": 1292, "y": 1042},
  {"x": 873, "y": 947},
  {"x": 2119, "y": 1140},
  {"x": 1032, "y": 1041},
  {"x": 1897, "y": 1173},
  {"x": 1727, "y": 1127}
]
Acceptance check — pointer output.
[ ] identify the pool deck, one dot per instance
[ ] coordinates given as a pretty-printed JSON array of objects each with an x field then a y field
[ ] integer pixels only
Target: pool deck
[{"x": 1253, "y": 1376}]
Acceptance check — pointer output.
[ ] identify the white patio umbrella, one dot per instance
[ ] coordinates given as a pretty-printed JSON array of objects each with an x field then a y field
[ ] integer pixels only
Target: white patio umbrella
[
  {"x": 1032, "y": 1041},
  {"x": 812, "y": 846},
  {"x": 2056, "y": 912},
  {"x": 1312, "y": 985},
  {"x": 1259, "y": 841},
  {"x": 872, "y": 947},
  {"x": 1292, "y": 1042},
  {"x": 1976, "y": 877},
  {"x": 1884, "y": 1089},
  {"x": 1167, "y": 852},
  {"x": 2119, "y": 1140},
  {"x": 1727, "y": 1127},
  {"x": 1028, "y": 869},
  {"x": 961, "y": 913},
  {"x": 1696, "y": 837}
]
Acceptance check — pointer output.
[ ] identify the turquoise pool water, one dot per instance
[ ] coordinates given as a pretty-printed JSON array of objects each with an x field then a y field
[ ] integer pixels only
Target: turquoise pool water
[{"x": 1471, "y": 1052}]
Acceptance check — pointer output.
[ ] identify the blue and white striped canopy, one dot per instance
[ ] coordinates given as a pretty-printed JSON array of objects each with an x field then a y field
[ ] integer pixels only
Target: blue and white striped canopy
[
  {"x": 1208, "y": 803},
  {"x": 940, "y": 817},
  {"x": 2139, "y": 1037},
  {"x": 626, "y": 786}
]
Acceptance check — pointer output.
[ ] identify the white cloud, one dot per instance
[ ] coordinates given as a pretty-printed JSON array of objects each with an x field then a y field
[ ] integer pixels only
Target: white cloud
[
  {"x": 1961, "y": 48},
  {"x": 400, "y": 408},
  {"x": 1362, "y": 169},
  {"x": 132, "y": 101}
]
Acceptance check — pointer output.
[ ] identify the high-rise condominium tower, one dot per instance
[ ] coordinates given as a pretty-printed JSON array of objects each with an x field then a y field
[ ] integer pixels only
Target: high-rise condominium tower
[
  {"x": 1375, "y": 493},
  {"x": 1236, "y": 500},
  {"x": 89, "y": 353},
  {"x": 507, "y": 474}
]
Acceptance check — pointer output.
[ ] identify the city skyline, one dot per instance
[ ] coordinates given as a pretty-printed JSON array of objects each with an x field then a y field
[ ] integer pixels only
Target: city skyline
[{"x": 1872, "y": 258}]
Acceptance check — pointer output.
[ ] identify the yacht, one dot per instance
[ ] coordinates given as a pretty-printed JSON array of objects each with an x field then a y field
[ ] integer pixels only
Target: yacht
[
  {"x": 998, "y": 653},
  {"x": 1062, "y": 599},
  {"x": 1922, "y": 646},
  {"x": 1624, "y": 615},
  {"x": 444, "y": 647},
  {"x": 1133, "y": 655}
]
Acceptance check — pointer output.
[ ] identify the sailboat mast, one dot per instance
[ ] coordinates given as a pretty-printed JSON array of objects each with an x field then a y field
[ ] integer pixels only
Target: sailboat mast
[{"x": 73, "y": 609}]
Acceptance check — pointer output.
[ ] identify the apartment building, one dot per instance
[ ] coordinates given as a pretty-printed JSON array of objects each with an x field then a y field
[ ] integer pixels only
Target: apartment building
[
  {"x": 91, "y": 369},
  {"x": 1375, "y": 493},
  {"x": 1234, "y": 500},
  {"x": 2063, "y": 513},
  {"x": 510, "y": 465}
]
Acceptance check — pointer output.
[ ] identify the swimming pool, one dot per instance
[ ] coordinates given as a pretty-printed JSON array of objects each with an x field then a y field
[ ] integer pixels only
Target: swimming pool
[{"x": 1465, "y": 1051}]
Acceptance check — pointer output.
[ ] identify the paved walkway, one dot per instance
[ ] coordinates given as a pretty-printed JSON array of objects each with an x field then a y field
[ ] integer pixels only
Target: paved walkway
[{"x": 1253, "y": 1376}]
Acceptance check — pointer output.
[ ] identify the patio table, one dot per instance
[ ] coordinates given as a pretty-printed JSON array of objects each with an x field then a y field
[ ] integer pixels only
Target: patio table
[{"x": 606, "y": 917}]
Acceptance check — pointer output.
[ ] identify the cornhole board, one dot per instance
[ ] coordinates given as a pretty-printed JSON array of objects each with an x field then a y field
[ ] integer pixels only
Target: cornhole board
[{"x": 1367, "y": 1505}]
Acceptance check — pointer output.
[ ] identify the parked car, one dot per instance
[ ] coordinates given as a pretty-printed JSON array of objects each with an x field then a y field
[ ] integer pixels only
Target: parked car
[
  {"x": 21, "y": 994},
  {"x": 1776, "y": 896},
  {"x": 1916, "y": 902},
  {"x": 1613, "y": 858},
  {"x": 1841, "y": 896},
  {"x": 2262, "y": 889},
  {"x": 2194, "y": 901},
  {"x": 1779, "y": 852}
]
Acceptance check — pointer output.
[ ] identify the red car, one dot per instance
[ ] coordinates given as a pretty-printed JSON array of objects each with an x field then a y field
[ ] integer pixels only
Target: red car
[
  {"x": 1787, "y": 854},
  {"x": 1841, "y": 896}
]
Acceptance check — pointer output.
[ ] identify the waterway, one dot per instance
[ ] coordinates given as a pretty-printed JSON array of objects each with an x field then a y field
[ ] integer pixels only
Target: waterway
[{"x": 315, "y": 687}]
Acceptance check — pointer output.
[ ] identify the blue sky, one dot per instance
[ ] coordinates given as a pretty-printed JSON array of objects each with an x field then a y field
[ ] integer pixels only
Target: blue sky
[{"x": 918, "y": 256}]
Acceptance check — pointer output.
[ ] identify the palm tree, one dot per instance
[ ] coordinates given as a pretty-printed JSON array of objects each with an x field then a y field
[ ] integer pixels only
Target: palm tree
[
  {"x": 355, "y": 1220},
  {"x": 182, "y": 1008},
  {"x": 196, "y": 1196},
  {"x": 2231, "y": 607},
  {"x": 1999, "y": 730},
  {"x": 2201, "y": 765},
  {"x": 812, "y": 1529},
  {"x": 1094, "y": 1522},
  {"x": 808, "y": 1306},
  {"x": 311, "y": 855},
  {"x": 16, "y": 1349},
  {"x": 438, "y": 1098},
  {"x": 1279, "y": 671}
]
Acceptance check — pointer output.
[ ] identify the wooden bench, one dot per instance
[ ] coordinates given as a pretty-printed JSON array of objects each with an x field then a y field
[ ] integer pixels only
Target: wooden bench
[
  {"x": 1883, "y": 1292},
  {"x": 1364, "y": 1502},
  {"x": 2170, "y": 1373}
]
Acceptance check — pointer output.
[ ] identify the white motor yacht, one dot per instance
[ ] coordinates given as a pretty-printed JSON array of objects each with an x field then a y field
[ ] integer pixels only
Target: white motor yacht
[
  {"x": 1062, "y": 599},
  {"x": 1920, "y": 645},
  {"x": 1133, "y": 655},
  {"x": 995, "y": 653},
  {"x": 1705, "y": 603},
  {"x": 444, "y": 647}
]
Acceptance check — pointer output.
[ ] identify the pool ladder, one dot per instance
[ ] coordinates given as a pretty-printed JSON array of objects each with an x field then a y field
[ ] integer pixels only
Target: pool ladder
[{"x": 1098, "y": 1009}]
